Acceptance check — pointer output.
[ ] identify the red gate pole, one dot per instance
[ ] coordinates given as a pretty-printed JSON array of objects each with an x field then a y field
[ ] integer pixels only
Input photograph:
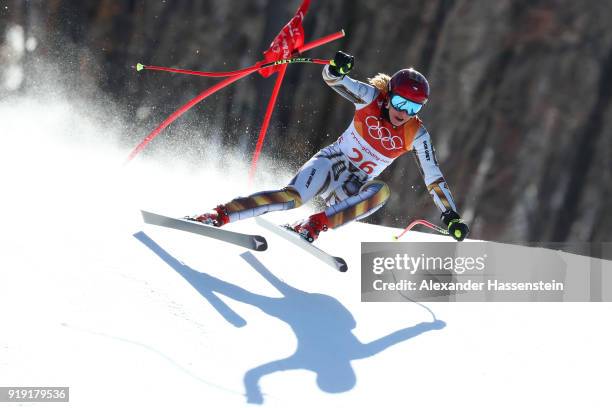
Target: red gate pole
[
  {"x": 184, "y": 109},
  {"x": 266, "y": 122}
]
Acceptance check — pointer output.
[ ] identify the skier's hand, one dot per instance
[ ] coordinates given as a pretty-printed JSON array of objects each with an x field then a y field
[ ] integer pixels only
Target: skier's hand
[
  {"x": 456, "y": 227},
  {"x": 341, "y": 64}
]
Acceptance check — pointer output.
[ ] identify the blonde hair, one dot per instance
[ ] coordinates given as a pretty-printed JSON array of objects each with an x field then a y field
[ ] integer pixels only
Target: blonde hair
[{"x": 380, "y": 82}]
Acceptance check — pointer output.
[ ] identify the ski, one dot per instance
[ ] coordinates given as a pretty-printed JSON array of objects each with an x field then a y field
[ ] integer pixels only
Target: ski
[
  {"x": 254, "y": 242},
  {"x": 334, "y": 261}
]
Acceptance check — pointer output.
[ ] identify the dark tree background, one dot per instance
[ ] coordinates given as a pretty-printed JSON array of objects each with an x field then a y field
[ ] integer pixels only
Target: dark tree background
[{"x": 520, "y": 111}]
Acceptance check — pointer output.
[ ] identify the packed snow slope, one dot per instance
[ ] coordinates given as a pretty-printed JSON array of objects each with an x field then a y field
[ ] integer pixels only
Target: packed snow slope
[{"x": 127, "y": 314}]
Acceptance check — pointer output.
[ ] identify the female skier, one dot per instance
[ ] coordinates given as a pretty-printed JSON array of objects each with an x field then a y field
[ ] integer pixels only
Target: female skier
[{"x": 385, "y": 126}]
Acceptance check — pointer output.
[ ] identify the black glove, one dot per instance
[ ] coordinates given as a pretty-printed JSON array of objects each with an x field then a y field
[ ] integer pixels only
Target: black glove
[
  {"x": 456, "y": 227},
  {"x": 341, "y": 64}
]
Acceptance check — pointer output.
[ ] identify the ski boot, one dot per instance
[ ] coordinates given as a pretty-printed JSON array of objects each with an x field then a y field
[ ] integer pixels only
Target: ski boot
[
  {"x": 217, "y": 218},
  {"x": 311, "y": 227}
]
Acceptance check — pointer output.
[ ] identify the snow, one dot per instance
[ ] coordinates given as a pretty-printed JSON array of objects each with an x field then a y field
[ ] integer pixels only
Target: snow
[{"x": 127, "y": 314}]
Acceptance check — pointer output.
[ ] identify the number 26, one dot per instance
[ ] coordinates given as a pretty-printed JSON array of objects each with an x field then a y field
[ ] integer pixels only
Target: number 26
[{"x": 366, "y": 166}]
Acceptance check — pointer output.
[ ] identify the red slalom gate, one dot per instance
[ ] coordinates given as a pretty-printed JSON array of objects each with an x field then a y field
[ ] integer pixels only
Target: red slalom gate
[{"x": 283, "y": 50}]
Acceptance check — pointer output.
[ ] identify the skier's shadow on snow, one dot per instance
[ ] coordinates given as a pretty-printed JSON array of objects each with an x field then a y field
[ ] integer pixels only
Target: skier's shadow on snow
[{"x": 322, "y": 325}]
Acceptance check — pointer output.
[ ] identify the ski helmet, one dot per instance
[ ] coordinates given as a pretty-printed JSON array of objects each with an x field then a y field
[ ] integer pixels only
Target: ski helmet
[{"x": 410, "y": 84}]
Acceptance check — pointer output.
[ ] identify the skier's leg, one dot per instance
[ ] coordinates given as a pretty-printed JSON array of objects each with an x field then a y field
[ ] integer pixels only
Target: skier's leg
[
  {"x": 246, "y": 207},
  {"x": 312, "y": 179},
  {"x": 262, "y": 202},
  {"x": 370, "y": 198}
]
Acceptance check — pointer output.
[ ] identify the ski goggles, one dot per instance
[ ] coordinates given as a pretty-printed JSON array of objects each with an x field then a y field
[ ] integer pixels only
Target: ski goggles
[{"x": 400, "y": 103}]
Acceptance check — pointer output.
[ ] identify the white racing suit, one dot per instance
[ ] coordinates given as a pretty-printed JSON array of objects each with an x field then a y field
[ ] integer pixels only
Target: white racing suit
[{"x": 343, "y": 173}]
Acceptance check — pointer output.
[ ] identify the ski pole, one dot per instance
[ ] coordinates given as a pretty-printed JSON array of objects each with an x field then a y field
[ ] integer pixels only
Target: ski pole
[
  {"x": 256, "y": 67},
  {"x": 425, "y": 223}
]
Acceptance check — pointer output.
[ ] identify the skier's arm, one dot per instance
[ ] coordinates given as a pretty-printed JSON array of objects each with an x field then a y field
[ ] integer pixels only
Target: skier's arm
[
  {"x": 425, "y": 156},
  {"x": 359, "y": 93},
  {"x": 376, "y": 346}
]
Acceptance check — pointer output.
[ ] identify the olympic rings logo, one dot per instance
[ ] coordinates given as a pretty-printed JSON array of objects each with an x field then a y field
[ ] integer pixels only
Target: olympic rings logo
[{"x": 378, "y": 132}]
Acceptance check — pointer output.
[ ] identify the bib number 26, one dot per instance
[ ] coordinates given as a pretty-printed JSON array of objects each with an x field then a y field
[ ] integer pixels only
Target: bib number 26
[{"x": 366, "y": 166}]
